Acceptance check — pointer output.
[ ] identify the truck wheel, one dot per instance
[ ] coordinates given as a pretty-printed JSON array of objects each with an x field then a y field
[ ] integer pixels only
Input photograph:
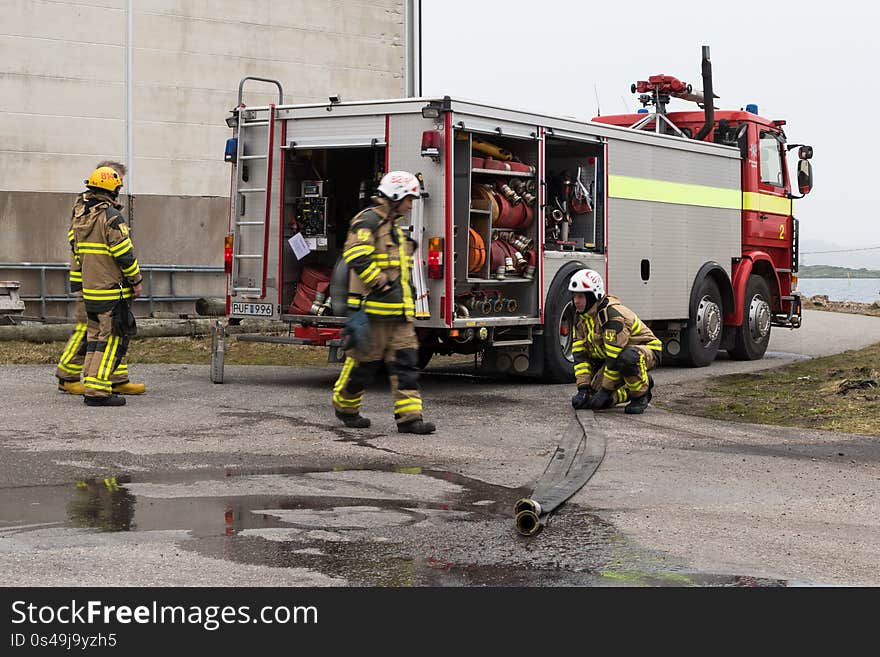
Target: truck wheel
[
  {"x": 702, "y": 337},
  {"x": 751, "y": 339},
  {"x": 559, "y": 321}
]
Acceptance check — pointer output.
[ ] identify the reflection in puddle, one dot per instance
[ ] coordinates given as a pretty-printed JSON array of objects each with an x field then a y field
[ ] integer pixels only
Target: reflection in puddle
[
  {"x": 377, "y": 527},
  {"x": 102, "y": 504}
]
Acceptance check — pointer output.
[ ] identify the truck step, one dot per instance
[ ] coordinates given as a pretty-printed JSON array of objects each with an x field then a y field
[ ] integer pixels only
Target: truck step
[
  {"x": 511, "y": 343},
  {"x": 275, "y": 339}
]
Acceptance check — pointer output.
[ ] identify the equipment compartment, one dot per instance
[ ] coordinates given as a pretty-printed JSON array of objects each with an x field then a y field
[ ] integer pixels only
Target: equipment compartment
[
  {"x": 496, "y": 212},
  {"x": 323, "y": 189},
  {"x": 574, "y": 202}
]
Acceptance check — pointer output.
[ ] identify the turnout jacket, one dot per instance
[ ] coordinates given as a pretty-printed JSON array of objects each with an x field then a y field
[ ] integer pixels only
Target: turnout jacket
[
  {"x": 380, "y": 259},
  {"x": 105, "y": 251},
  {"x": 601, "y": 335},
  {"x": 75, "y": 265}
]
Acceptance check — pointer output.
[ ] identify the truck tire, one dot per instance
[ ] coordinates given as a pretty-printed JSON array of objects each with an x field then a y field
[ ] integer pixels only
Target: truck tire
[
  {"x": 559, "y": 318},
  {"x": 751, "y": 339},
  {"x": 702, "y": 337}
]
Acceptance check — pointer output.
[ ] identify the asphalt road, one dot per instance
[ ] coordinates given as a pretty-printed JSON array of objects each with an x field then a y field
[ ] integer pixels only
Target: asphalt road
[{"x": 254, "y": 482}]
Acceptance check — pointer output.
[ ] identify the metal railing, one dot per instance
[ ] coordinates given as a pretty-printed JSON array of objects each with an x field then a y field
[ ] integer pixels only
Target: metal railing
[{"x": 146, "y": 270}]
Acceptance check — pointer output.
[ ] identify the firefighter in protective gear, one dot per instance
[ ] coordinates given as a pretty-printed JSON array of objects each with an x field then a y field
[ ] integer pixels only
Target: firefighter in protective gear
[
  {"x": 613, "y": 350},
  {"x": 110, "y": 277},
  {"x": 70, "y": 365},
  {"x": 380, "y": 259}
]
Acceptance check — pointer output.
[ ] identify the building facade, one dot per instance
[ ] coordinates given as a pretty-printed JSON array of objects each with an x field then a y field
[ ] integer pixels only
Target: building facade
[{"x": 150, "y": 83}]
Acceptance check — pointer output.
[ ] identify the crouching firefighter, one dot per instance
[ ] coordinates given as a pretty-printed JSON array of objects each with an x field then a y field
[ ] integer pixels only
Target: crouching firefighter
[
  {"x": 110, "y": 279},
  {"x": 613, "y": 351},
  {"x": 381, "y": 304}
]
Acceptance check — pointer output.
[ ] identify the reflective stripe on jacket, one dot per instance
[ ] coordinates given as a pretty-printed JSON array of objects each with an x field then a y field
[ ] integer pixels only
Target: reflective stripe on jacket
[
  {"x": 621, "y": 328},
  {"x": 380, "y": 254},
  {"x": 106, "y": 254}
]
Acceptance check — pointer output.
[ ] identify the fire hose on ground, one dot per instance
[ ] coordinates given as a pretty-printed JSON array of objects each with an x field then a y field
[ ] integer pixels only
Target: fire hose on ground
[{"x": 575, "y": 461}]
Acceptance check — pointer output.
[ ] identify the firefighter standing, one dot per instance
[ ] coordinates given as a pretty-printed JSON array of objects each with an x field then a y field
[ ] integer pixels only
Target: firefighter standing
[
  {"x": 70, "y": 365},
  {"x": 110, "y": 276},
  {"x": 612, "y": 349},
  {"x": 380, "y": 258}
]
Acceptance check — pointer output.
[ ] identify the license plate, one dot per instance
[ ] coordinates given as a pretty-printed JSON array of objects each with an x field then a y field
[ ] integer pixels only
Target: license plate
[{"x": 258, "y": 309}]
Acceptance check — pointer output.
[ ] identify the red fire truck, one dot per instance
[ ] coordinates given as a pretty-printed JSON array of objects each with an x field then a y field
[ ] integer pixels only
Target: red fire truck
[{"x": 687, "y": 214}]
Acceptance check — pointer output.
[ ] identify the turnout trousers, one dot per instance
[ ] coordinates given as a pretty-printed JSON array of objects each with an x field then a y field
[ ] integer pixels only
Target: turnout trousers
[
  {"x": 395, "y": 344},
  {"x": 70, "y": 365},
  {"x": 631, "y": 376},
  {"x": 104, "y": 354},
  {"x": 630, "y": 379}
]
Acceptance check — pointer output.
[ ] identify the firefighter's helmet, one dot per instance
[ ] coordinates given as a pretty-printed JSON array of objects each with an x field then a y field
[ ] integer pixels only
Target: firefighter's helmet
[
  {"x": 397, "y": 185},
  {"x": 104, "y": 178},
  {"x": 587, "y": 281}
]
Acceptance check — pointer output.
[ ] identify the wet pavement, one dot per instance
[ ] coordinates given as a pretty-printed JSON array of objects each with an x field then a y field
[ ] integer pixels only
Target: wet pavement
[
  {"x": 392, "y": 527},
  {"x": 253, "y": 483}
]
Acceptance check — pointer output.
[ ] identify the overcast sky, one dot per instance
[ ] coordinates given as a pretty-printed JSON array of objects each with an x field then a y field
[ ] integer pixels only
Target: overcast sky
[{"x": 817, "y": 69}]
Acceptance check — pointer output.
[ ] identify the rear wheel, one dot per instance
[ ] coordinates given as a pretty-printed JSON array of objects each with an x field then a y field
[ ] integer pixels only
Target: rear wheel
[
  {"x": 751, "y": 339},
  {"x": 559, "y": 321},
  {"x": 702, "y": 337}
]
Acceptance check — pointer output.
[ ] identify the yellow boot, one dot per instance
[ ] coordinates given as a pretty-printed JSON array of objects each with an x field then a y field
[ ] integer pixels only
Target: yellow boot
[
  {"x": 71, "y": 387},
  {"x": 129, "y": 388}
]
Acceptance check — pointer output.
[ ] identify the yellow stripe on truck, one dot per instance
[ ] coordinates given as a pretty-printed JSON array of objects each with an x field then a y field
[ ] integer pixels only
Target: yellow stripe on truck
[
  {"x": 663, "y": 191},
  {"x": 766, "y": 203}
]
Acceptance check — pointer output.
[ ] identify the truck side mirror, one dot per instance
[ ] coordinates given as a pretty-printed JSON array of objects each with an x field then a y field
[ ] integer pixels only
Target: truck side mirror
[
  {"x": 805, "y": 177},
  {"x": 742, "y": 141},
  {"x": 805, "y": 152}
]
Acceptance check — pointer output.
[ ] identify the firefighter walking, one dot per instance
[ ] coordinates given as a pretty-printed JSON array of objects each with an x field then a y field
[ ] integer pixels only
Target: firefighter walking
[
  {"x": 70, "y": 365},
  {"x": 382, "y": 298},
  {"x": 110, "y": 278},
  {"x": 613, "y": 351}
]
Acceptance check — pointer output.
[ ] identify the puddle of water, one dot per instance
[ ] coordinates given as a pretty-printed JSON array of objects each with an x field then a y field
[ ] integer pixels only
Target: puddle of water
[{"x": 371, "y": 527}]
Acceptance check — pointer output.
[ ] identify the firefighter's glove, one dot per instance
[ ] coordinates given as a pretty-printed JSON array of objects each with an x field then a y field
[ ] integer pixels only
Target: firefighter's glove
[
  {"x": 582, "y": 399},
  {"x": 356, "y": 332},
  {"x": 601, "y": 400}
]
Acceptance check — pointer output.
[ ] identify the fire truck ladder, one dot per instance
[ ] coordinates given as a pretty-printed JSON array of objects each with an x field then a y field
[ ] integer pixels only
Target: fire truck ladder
[{"x": 252, "y": 232}]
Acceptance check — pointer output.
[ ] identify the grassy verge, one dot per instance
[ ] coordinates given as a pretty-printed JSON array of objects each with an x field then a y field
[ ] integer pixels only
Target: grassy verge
[
  {"x": 185, "y": 350},
  {"x": 176, "y": 350},
  {"x": 837, "y": 393}
]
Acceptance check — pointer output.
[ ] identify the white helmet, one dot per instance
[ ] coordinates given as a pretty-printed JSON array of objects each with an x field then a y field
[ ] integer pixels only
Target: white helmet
[
  {"x": 395, "y": 185},
  {"x": 586, "y": 281}
]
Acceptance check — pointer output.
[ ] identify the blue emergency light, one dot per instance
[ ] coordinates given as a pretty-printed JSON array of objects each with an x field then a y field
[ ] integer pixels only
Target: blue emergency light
[
  {"x": 752, "y": 108},
  {"x": 643, "y": 110},
  {"x": 231, "y": 149}
]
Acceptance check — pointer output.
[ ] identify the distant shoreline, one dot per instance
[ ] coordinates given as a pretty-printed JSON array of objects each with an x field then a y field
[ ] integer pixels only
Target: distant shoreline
[{"x": 828, "y": 271}]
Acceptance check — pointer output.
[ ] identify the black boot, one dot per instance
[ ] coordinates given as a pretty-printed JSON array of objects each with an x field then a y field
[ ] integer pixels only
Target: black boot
[
  {"x": 416, "y": 426},
  {"x": 354, "y": 420},
  {"x": 110, "y": 400},
  {"x": 638, "y": 405}
]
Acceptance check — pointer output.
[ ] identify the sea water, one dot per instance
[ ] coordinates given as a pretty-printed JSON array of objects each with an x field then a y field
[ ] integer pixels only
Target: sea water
[{"x": 862, "y": 290}]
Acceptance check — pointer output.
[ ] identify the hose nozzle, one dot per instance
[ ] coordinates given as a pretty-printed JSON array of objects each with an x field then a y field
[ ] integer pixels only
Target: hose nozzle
[{"x": 527, "y": 513}]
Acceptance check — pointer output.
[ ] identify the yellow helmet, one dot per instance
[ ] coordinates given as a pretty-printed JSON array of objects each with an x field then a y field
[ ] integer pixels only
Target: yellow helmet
[{"x": 105, "y": 178}]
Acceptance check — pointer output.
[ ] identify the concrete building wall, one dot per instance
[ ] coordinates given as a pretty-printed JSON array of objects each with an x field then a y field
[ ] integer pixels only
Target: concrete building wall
[{"x": 63, "y": 92}]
